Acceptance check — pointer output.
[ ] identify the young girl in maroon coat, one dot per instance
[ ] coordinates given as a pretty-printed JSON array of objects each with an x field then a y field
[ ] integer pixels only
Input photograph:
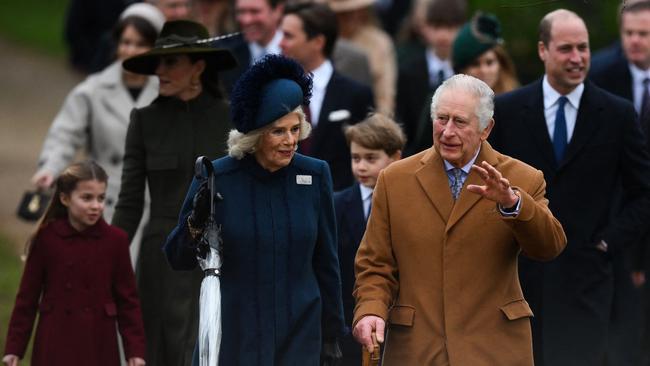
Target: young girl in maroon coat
[{"x": 78, "y": 276}]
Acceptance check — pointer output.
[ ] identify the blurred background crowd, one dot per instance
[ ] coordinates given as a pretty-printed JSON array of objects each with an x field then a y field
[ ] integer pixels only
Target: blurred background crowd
[{"x": 383, "y": 55}]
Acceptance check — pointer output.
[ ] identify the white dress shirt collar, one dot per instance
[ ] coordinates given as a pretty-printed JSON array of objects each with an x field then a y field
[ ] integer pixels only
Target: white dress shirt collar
[
  {"x": 551, "y": 97},
  {"x": 465, "y": 168},
  {"x": 366, "y": 199},
  {"x": 273, "y": 47},
  {"x": 435, "y": 64},
  {"x": 321, "y": 77}
]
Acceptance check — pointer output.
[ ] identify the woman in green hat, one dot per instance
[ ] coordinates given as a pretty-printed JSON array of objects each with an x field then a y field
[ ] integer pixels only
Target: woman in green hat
[
  {"x": 478, "y": 51},
  {"x": 189, "y": 118}
]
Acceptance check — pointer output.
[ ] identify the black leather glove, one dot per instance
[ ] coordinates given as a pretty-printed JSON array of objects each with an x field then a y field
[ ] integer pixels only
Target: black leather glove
[
  {"x": 200, "y": 207},
  {"x": 330, "y": 354}
]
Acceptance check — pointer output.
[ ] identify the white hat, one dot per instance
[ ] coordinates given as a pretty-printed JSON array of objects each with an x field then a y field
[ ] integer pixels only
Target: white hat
[{"x": 147, "y": 12}]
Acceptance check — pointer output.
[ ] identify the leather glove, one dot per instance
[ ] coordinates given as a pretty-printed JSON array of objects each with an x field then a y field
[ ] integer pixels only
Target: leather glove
[
  {"x": 200, "y": 207},
  {"x": 330, "y": 354}
]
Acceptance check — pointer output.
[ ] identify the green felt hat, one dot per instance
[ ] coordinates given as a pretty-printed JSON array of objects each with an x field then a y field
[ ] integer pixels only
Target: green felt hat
[
  {"x": 181, "y": 37},
  {"x": 480, "y": 34}
]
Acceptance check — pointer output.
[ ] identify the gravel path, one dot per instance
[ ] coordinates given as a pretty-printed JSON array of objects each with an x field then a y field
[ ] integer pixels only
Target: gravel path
[{"x": 33, "y": 87}]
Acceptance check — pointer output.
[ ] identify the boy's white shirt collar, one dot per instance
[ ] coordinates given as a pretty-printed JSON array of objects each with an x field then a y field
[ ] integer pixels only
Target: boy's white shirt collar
[
  {"x": 366, "y": 192},
  {"x": 366, "y": 199}
]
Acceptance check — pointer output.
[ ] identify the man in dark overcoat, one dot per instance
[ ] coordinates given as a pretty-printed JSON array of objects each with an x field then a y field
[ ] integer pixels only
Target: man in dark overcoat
[
  {"x": 309, "y": 36},
  {"x": 587, "y": 143},
  {"x": 621, "y": 70}
]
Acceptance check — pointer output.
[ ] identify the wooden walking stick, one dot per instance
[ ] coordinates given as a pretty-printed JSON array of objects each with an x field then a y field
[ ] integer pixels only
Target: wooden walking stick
[{"x": 371, "y": 359}]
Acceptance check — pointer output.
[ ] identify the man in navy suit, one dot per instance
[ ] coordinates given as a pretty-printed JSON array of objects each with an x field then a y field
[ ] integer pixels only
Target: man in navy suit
[
  {"x": 423, "y": 67},
  {"x": 621, "y": 69},
  {"x": 588, "y": 144},
  {"x": 310, "y": 31},
  {"x": 259, "y": 22},
  {"x": 374, "y": 144}
]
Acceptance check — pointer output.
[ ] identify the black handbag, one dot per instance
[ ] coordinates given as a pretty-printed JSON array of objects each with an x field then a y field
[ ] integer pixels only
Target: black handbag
[{"x": 33, "y": 205}]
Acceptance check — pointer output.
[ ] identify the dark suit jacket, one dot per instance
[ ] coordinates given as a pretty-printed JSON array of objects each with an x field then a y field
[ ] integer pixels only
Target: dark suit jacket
[
  {"x": 346, "y": 58},
  {"x": 610, "y": 71},
  {"x": 239, "y": 48},
  {"x": 605, "y": 151},
  {"x": 351, "y": 224},
  {"x": 413, "y": 87},
  {"x": 327, "y": 141}
]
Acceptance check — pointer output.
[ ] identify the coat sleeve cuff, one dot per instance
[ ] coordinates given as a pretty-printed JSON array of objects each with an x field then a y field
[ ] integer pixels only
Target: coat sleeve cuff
[
  {"x": 526, "y": 207},
  {"x": 373, "y": 307}
]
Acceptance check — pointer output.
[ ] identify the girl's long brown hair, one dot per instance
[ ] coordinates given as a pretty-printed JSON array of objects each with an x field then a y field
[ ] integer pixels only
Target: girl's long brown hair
[
  {"x": 65, "y": 184},
  {"x": 507, "y": 74}
]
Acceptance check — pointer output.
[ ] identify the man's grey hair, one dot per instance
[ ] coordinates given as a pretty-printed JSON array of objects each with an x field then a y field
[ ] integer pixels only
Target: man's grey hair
[
  {"x": 240, "y": 144},
  {"x": 474, "y": 86}
]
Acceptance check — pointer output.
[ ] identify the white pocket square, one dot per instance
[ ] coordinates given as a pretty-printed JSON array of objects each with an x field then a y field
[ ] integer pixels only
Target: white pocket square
[{"x": 340, "y": 115}]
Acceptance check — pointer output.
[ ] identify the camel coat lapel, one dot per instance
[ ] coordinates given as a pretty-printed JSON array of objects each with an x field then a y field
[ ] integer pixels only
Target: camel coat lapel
[{"x": 432, "y": 177}]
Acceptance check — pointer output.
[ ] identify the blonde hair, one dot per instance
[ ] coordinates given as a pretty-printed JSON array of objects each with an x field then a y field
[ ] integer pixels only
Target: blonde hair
[{"x": 240, "y": 144}]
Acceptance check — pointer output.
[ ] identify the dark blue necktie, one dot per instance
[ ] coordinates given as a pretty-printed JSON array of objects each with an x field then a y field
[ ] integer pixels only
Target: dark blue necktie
[
  {"x": 436, "y": 81},
  {"x": 644, "y": 116},
  {"x": 560, "y": 133},
  {"x": 441, "y": 76}
]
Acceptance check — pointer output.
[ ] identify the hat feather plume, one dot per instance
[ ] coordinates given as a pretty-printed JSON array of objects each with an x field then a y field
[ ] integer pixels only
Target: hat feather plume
[{"x": 247, "y": 93}]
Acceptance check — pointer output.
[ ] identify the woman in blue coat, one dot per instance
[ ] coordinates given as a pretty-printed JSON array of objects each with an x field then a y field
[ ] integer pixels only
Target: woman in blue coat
[{"x": 280, "y": 281}]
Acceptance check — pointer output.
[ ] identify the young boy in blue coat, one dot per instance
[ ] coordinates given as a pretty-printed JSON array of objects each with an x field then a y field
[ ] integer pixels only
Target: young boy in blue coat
[{"x": 374, "y": 143}]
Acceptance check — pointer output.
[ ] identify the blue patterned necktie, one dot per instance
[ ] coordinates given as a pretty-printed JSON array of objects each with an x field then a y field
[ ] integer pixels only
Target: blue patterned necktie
[
  {"x": 560, "y": 132},
  {"x": 457, "y": 184}
]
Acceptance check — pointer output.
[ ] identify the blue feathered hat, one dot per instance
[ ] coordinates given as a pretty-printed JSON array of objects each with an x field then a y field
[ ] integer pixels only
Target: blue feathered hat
[{"x": 268, "y": 90}]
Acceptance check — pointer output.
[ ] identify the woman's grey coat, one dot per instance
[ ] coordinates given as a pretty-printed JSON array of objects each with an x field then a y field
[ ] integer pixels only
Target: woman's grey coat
[{"x": 95, "y": 116}]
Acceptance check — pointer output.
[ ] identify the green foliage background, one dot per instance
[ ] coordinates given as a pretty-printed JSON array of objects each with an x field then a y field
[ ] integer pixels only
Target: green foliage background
[
  {"x": 11, "y": 270},
  {"x": 34, "y": 23}
]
